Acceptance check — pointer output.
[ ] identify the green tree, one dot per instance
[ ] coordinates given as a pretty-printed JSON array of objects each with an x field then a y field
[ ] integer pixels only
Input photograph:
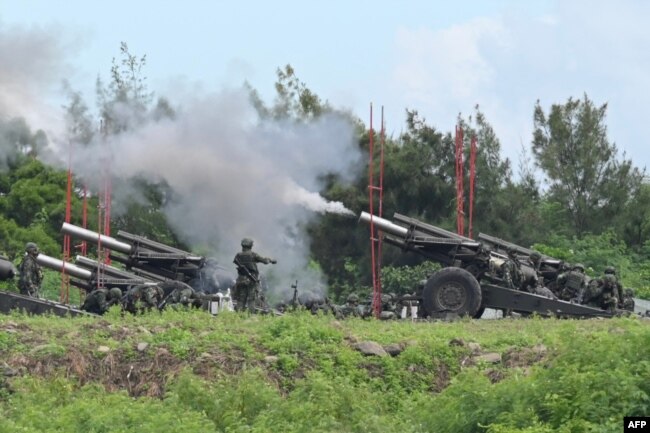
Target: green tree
[
  {"x": 584, "y": 173},
  {"x": 293, "y": 100}
]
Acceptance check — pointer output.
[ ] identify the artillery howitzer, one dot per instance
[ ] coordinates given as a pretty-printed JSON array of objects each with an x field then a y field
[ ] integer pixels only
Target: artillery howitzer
[
  {"x": 466, "y": 285},
  {"x": 16, "y": 301},
  {"x": 88, "y": 274},
  {"x": 156, "y": 261}
]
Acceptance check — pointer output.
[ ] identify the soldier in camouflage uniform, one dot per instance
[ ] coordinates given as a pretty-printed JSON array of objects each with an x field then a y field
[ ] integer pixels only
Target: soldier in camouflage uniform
[
  {"x": 100, "y": 300},
  {"x": 605, "y": 291},
  {"x": 572, "y": 285},
  {"x": 351, "y": 307},
  {"x": 247, "y": 291},
  {"x": 143, "y": 297},
  {"x": 31, "y": 274},
  {"x": 510, "y": 271},
  {"x": 533, "y": 280},
  {"x": 627, "y": 300},
  {"x": 178, "y": 293}
]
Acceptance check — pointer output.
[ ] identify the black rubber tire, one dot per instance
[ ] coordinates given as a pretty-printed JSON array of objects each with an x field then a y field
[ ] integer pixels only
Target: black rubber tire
[
  {"x": 479, "y": 313},
  {"x": 452, "y": 290}
]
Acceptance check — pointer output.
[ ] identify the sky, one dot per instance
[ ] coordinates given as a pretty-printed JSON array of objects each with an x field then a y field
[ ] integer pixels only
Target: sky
[{"x": 439, "y": 58}]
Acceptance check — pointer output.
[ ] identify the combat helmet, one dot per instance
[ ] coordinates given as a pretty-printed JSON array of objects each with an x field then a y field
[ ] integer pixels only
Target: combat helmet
[
  {"x": 31, "y": 246},
  {"x": 578, "y": 266},
  {"x": 353, "y": 298},
  {"x": 114, "y": 293},
  {"x": 535, "y": 256},
  {"x": 610, "y": 270},
  {"x": 247, "y": 243}
]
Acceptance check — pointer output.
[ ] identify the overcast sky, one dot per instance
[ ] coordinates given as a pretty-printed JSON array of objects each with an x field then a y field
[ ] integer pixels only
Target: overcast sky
[{"x": 438, "y": 57}]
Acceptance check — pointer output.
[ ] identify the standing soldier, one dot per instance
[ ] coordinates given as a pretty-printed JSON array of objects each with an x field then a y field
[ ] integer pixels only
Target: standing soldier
[
  {"x": 31, "y": 275},
  {"x": 247, "y": 292}
]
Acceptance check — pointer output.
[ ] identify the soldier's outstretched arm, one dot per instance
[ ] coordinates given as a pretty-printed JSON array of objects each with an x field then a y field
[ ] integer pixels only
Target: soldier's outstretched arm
[{"x": 261, "y": 259}]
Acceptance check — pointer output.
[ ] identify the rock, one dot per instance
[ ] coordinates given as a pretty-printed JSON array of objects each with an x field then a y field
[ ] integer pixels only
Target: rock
[
  {"x": 143, "y": 330},
  {"x": 103, "y": 349},
  {"x": 394, "y": 349},
  {"x": 370, "y": 348},
  {"x": 457, "y": 342},
  {"x": 489, "y": 358},
  {"x": 474, "y": 347},
  {"x": 271, "y": 359},
  {"x": 142, "y": 346},
  {"x": 336, "y": 324}
]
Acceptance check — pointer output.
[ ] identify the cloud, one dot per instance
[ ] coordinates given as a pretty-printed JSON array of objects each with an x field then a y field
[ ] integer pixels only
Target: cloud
[{"x": 506, "y": 62}]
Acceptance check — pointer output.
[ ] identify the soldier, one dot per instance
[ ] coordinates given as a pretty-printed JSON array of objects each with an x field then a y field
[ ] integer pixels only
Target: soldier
[
  {"x": 535, "y": 261},
  {"x": 247, "y": 292},
  {"x": 100, "y": 300},
  {"x": 627, "y": 300},
  {"x": 510, "y": 271},
  {"x": 31, "y": 274},
  {"x": 143, "y": 297},
  {"x": 351, "y": 307},
  {"x": 572, "y": 285},
  {"x": 533, "y": 280},
  {"x": 178, "y": 293},
  {"x": 388, "y": 306},
  {"x": 605, "y": 291}
]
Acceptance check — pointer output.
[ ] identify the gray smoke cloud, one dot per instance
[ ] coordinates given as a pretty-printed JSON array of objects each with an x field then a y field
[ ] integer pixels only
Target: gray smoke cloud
[
  {"x": 235, "y": 175},
  {"x": 33, "y": 64}
]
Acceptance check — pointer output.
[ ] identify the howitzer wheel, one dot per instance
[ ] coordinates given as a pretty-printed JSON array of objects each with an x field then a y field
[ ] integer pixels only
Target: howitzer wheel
[{"x": 452, "y": 290}]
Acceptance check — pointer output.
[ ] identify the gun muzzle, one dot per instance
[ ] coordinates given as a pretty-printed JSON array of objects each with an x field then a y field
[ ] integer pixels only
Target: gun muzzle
[
  {"x": 384, "y": 225},
  {"x": 91, "y": 236}
]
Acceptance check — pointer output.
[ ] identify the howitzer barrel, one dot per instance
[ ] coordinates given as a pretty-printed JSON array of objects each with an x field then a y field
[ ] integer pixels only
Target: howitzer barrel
[
  {"x": 107, "y": 270},
  {"x": 384, "y": 225},
  {"x": 63, "y": 267},
  {"x": 91, "y": 236}
]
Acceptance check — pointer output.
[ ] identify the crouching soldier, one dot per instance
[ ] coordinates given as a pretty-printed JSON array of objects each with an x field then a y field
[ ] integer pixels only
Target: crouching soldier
[
  {"x": 143, "y": 297},
  {"x": 100, "y": 300}
]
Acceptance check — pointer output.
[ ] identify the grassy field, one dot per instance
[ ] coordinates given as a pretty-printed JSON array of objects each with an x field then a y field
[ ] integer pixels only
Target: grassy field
[{"x": 187, "y": 371}]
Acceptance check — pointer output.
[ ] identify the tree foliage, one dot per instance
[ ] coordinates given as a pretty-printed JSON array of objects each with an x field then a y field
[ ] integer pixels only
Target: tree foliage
[{"x": 571, "y": 146}]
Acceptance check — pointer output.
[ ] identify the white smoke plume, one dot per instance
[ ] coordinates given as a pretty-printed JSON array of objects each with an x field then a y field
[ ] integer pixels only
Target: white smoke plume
[
  {"x": 235, "y": 175},
  {"x": 33, "y": 64}
]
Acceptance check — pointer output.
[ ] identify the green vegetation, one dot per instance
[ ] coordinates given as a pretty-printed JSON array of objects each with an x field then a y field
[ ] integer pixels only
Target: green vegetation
[
  {"x": 188, "y": 372},
  {"x": 596, "y": 208}
]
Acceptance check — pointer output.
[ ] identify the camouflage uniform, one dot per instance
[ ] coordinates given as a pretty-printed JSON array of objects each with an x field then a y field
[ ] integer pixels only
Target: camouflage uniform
[
  {"x": 351, "y": 307},
  {"x": 627, "y": 300},
  {"x": 572, "y": 285},
  {"x": 604, "y": 292},
  {"x": 100, "y": 300},
  {"x": 31, "y": 274},
  {"x": 143, "y": 298},
  {"x": 247, "y": 292},
  {"x": 534, "y": 282},
  {"x": 511, "y": 274},
  {"x": 178, "y": 293}
]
